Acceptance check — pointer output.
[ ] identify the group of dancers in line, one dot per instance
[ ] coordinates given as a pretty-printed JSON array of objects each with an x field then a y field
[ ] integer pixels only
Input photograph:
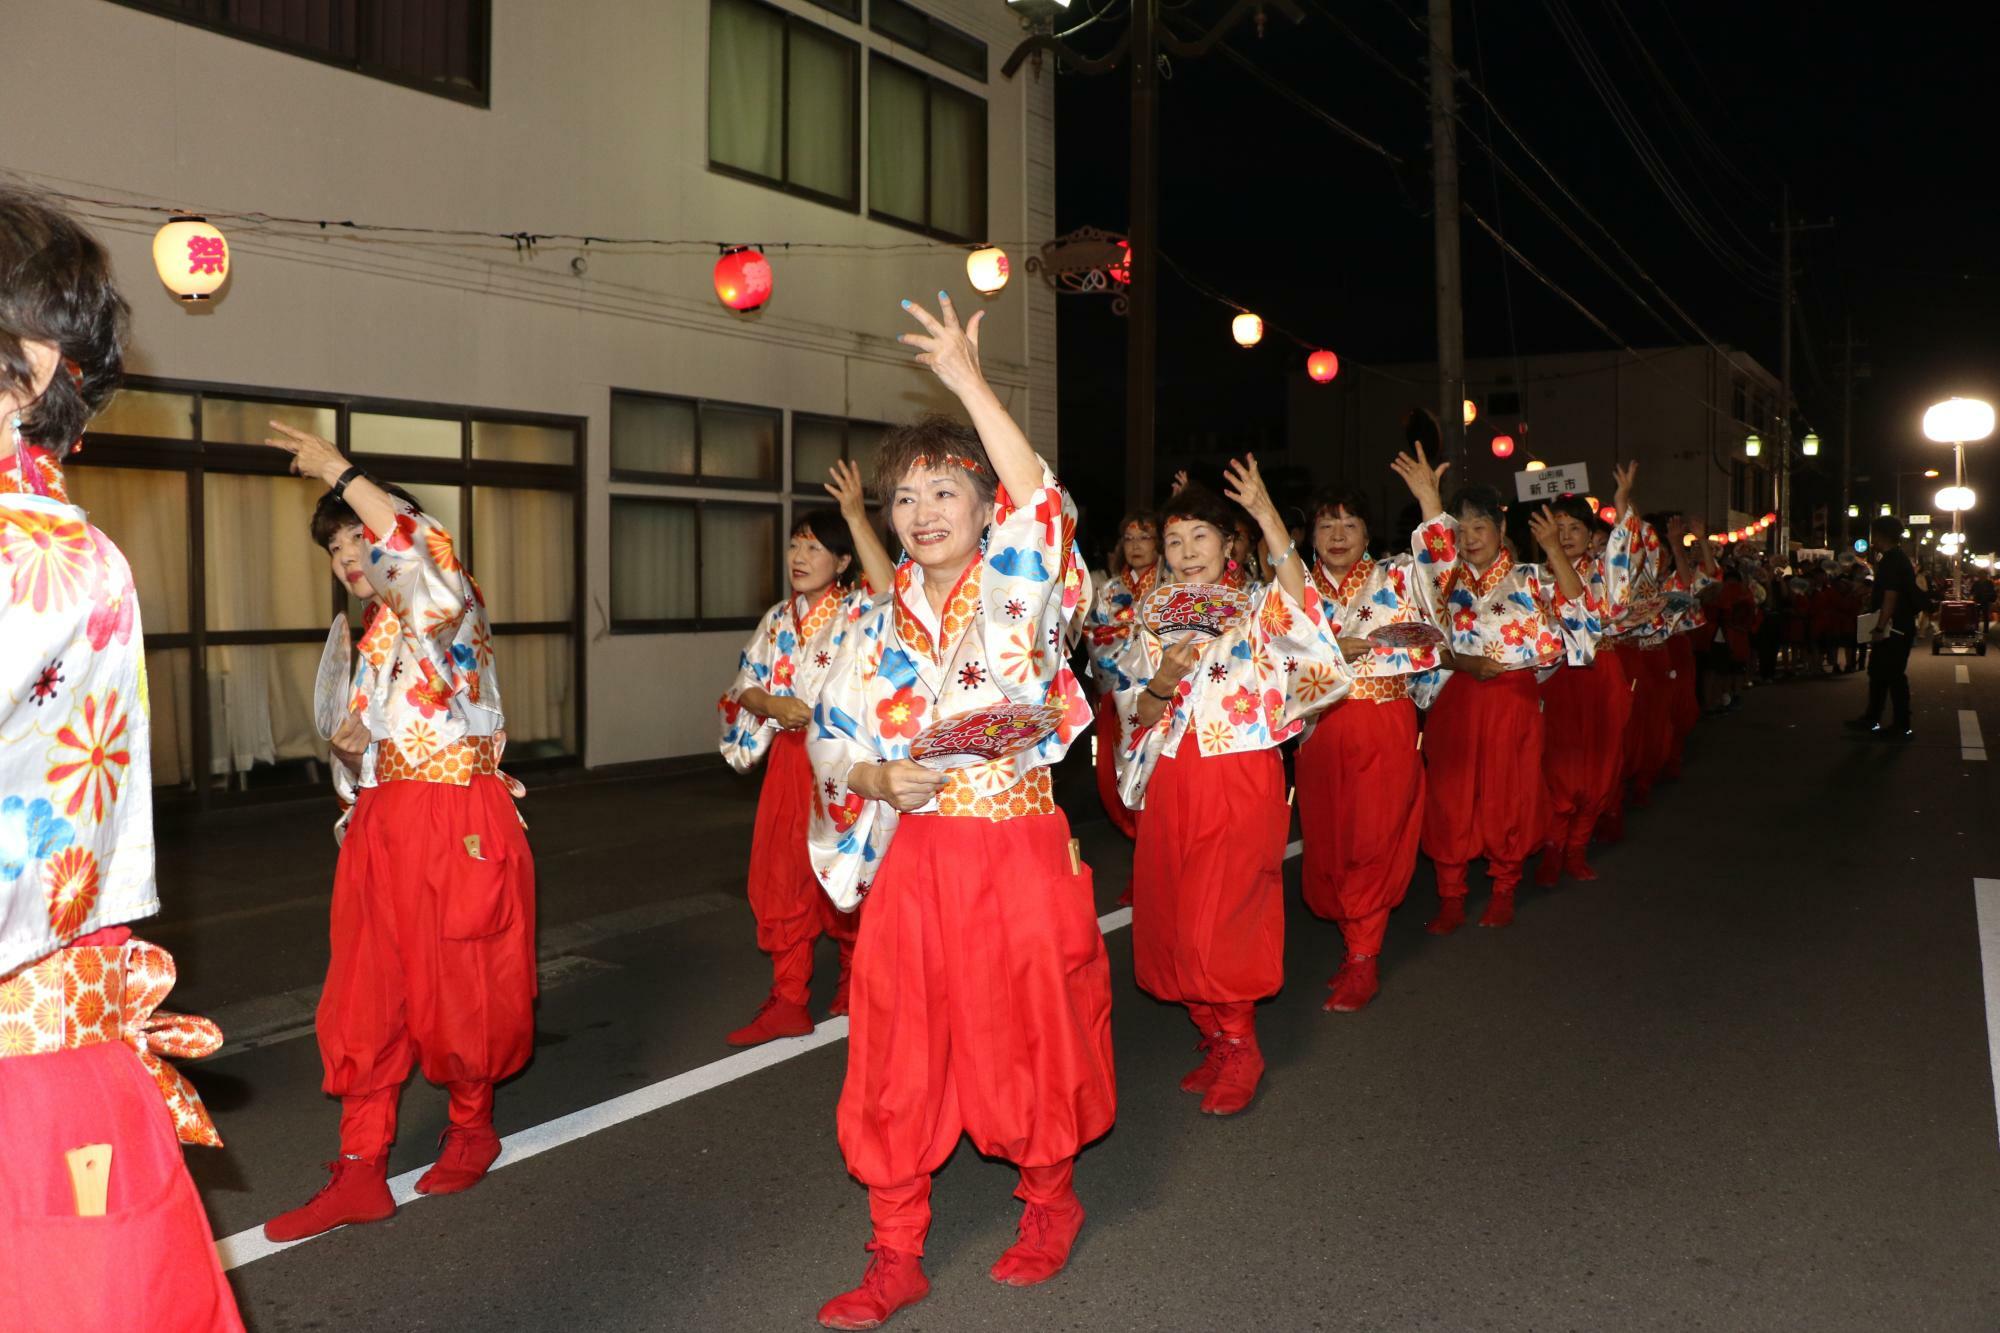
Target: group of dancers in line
[
  {"x": 972, "y": 969},
  {"x": 975, "y": 975}
]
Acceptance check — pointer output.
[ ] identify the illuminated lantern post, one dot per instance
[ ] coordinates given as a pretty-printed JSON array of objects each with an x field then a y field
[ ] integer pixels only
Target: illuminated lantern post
[
  {"x": 1503, "y": 446},
  {"x": 1322, "y": 366},
  {"x": 743, "y": 280},
  {"x": 1247, "y": 329},
  {"x": 987, "y": 269},
  {"x": 192, "y": 258},
  {"x": 1958, "y": 422}
]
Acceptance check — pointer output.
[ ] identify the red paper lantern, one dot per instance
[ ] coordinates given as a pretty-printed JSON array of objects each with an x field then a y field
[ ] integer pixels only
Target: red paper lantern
[
  {"x": 1503, "y": 446},
  {"x": 1608, "y": 514},
  {"x": 743, "y": 279},
  {"x": 1322, "y": 366}
]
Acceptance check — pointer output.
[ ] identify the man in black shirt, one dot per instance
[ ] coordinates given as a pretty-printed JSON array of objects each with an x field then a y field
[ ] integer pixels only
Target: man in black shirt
[{"x": 1895, "y": 605}]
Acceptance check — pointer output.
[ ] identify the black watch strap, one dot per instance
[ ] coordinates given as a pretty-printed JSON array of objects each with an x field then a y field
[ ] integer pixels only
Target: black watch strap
[{"x": 340, "y": 486}]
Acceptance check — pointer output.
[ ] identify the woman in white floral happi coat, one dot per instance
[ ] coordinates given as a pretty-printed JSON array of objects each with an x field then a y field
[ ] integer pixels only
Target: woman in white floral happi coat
[
  {"x": 981, "y": 998},
  {"x": 835, "y": 564},
  {"x": 1113, "y": 619},
  {"x": 88, "y": 1111},
  {"x": 1202, "y": 726}
]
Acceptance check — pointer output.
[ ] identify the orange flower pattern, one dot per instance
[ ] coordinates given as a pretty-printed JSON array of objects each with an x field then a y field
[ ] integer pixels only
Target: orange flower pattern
[
  {"x": 788, "y": 655},
  {"x": 93, "y": 751},
  {"x": 71, "y": 890}
]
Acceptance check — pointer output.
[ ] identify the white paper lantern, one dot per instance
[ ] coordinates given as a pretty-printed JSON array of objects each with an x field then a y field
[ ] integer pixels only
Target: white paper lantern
[
  {"x": 987, "y": 269},
  {"x": 192, "y": 258},
  {"x": 1247, "y": 329}
]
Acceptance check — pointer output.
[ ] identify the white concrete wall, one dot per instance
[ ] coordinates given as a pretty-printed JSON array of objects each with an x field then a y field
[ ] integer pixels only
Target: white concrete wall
[{"x": 597, "y": 125}]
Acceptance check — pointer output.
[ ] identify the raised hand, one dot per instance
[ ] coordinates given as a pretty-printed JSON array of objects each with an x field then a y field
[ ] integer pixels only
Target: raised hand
[
  {"x": 848, "y": 492},
  {"x": 1180, "y": 483},
  {"x": 1244, "y": 483},
  {"x": 950, "y": 351},
  {"x": 1542, "y": 524},
  {"x": 311, "y": 455},
  {"x": 1624, "y": 475},
  {"x": 1422, "y": 479}
]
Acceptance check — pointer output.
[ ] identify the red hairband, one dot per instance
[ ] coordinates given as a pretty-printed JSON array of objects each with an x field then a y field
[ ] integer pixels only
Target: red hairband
[{"x": 946, "y": 460}]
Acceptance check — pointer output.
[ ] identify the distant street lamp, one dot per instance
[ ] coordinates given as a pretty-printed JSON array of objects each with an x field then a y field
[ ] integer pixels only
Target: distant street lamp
[
  {"x": 1854, "y": 511},
  {"x": 1753, "y": 446},
  {"x": 1810, "y": 445},
  {"x": 1958, "y": 422},
  {"x": 1886, "y": 510}
]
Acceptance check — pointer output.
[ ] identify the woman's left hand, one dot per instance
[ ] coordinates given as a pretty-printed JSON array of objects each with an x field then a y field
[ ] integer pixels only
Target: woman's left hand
[
  {"x": 1244, "y": 484},
  {"x": 951, "y": 351},
  {"x": 1542, "y": 523},
  {"x": 311, "y": 455}
]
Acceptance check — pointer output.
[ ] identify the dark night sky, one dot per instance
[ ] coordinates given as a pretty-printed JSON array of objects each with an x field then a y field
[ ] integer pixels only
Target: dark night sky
[{"x": 1855, "y": 107}]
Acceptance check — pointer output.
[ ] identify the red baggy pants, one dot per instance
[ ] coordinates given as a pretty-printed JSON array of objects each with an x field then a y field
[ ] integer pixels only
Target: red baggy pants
[
  {"x": 433, "y": 952},
  {"x": 1686, "y": 709},
  {"x": 1484, "y": 794},
  {"x": 1585, "y": 711},
  {"x": 1208, "y": 901},
  {"x": 1110, "y": 735},
  {"x": 981, "y": 1005},
  {"x": 791, "y": 908},
  {"x": 1361, "y": 813},
  {"x": 1649, "y": 735},
  {"x": 149, "y": 1262}
]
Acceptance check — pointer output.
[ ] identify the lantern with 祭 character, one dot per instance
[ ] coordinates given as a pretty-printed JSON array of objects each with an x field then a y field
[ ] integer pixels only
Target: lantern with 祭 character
[{"x": 743, "y": 279}]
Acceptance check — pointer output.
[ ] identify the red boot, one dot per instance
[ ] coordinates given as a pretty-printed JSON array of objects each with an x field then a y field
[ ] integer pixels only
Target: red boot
[
  {"x": 775, "y": 1018},
  {"x": 466, "y": 1153},
  {"x": 1236, "y": 1076},
  {"x": 358, "y": 1192},
  {"x": 1046, "y": 1234},
  {"x": 1577, "y": 866},
  {"x": 1549, "y": 873},
  {"x": 894, "y": 1279},
  {"x": 1202, "y": 1076},
  {"x": 1500, "y": 911},
  {"x": 1451, "y": 915},
  {"x": 1353, "y": 987},
  {"x": 1125, "y": 898}
]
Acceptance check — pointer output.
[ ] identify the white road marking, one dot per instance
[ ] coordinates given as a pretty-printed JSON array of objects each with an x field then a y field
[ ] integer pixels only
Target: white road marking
[
  {"x": 1986, "y": 894},
  {"x": 1971, "y": 744},
  {"x": 1964, "y": 676},
  {"x": 247, "y": 1247}
]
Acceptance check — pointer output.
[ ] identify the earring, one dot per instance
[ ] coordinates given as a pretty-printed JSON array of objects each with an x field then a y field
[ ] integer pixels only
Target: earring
[{"x": 985, "y": 536}]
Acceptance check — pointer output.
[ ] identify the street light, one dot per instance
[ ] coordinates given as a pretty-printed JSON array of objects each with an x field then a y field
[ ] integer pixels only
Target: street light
[
  {"x": 1753, "y": 446},
  {"x": 1854, "y": 511},
  {"x": 1810, "y": 445},
  {"x": 1886, "y": 510},
  {"x": 1958, "y": 422}
]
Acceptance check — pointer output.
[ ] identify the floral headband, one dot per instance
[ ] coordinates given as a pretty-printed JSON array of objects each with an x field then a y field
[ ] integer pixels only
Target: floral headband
[{"x": 946, "y": 460}]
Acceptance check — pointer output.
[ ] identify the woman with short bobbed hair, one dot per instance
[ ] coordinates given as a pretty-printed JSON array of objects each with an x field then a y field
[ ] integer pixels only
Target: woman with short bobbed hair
[{"x": 88, "y": 1111}]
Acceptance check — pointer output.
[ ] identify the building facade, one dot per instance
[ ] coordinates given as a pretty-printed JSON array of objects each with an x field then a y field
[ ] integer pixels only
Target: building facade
[
  {"x": 548, "y": 368},
  {"x": 1683, "y": 413}
]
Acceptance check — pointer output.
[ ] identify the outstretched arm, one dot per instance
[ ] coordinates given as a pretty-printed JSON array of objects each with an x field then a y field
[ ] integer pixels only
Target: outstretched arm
[
  {"x": 952, "y": 354},
  {"x": 1244, "y": 484},
  {"x": 1422, "y": 479},
  {"x": 876, "y": 566}
]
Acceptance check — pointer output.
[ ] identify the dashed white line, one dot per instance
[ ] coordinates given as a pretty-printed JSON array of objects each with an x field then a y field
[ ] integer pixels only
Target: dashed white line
[
  {"x": 1986, "y": 895},
  {"x": 1963, "y": 676},
  {"x": 247, "y": 1247},
  {"x": 1971, "y": 745}
]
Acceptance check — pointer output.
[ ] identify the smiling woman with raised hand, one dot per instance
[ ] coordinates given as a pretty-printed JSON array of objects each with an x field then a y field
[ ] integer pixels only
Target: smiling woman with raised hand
[
  {"x": 1199, "y": 753},
  {"x": 836, "y": 564},
  {"x": 981, "y": 998},
  {"x": 1503, "y": 622}
]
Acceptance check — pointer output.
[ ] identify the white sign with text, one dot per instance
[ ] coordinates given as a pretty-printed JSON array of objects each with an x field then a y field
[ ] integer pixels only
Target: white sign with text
[{"x": 1549, "y": 483}]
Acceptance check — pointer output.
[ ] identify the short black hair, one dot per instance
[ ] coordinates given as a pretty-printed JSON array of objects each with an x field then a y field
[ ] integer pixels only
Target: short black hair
[
  {"x": 1885, "y": 530},
  {"x": 333, "y": 513},
  {"x": 1195, "y": 502},
  {"x": 1481, "y": 500},
  {"x": 55, "y": 287},
  {"x": 1354, "y": 502},
  {"x": 829, "y": 529},
  {"x": 1577, "y": 507}
]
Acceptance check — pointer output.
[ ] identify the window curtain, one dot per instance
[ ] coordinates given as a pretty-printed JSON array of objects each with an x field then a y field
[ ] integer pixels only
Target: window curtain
[
  {"x": 746, "y": 88},
  {"x": 820, "y": 113},
  {"x": 739, "y": 562},
  {"x": 896, "y": 110},
  {"x": 524, "y": 556},
  {"x": 652, "y": 561},
  {"x": 958, "y": 163}
]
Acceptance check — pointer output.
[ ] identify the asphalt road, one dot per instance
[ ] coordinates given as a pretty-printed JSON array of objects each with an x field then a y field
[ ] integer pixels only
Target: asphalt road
[{"x": 1742, "y": 1082}]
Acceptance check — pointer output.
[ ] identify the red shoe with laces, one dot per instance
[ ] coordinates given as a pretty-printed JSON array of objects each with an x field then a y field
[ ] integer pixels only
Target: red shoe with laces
[
  {"x": 1046, "y": 1235},
  {"x": 1236, "y": 1077},
  {"x": 1549, "y": 873},
  {"x": 465, "y": 1153},
  {"x": 1500, "y": 911},
  {"x": 774, "y": 1019},
  {"x": 1577, "y": 867},
  {"x": 894, "y": 1279},
  {"x": 1202, "y": 1077},
  {"x": 358, "y": 1192},
  {"x": 1354, "y": 986},
  {"x": 1451, "y": 915}
]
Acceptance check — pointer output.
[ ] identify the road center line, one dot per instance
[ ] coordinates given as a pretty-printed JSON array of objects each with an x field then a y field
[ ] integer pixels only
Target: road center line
[
  {"x": 1963, "y": 676},
  {"x": 1986, "y": 894},
  {"x": 247, "y": 1247},
  {"x": 1971, "y": 744}
]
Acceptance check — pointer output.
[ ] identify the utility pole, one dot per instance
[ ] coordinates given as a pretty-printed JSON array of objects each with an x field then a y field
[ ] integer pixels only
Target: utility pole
[
  {"x": 1785, "y": 228},
  {"x": 1847, "y": 435},
  {"x": 1142, "y": 44},
  {"x": 1444, "y": 209}
]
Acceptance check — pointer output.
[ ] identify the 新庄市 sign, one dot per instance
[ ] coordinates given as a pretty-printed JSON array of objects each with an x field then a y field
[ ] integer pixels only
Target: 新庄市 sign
[{"x": 1549, "y": 483}]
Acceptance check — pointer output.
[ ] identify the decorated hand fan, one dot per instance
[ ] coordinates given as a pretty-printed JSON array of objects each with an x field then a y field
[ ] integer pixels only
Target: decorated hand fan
[
  {"x": 1178, "y": 612},
  {"x": 985, "y": 734},
  {"x": 1643, "y": 611},
  {"x": 1409, "y": 634},
  {"x": 335, "y": 677}
]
